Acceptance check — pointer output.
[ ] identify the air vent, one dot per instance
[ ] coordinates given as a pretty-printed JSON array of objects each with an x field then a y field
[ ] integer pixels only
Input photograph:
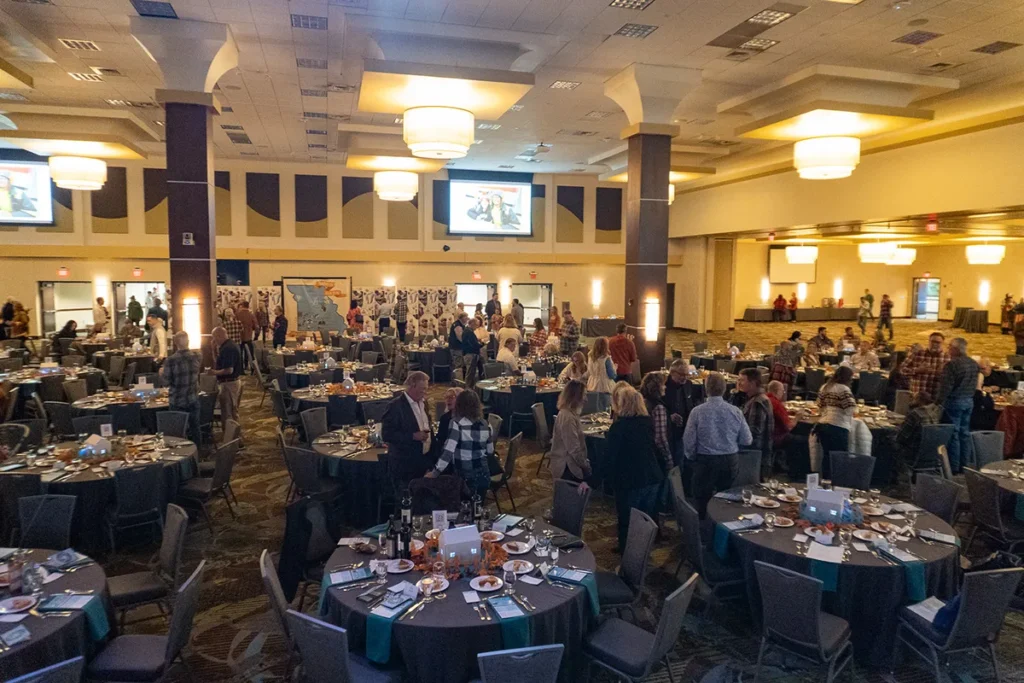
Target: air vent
[
  {"x": 354, "y": 4},
  {"x": 488, "y": 126},
  {"x": 738, "y": 56},
  {"x": 312, "y": 131},
  {"x": 695, "y": 122},
  {"x": 309, "y": 21},
  {"x": 770, "y": 17},
  {"x": 506, "y": 166},
  {"x": 249, "y": 154},
  {"x": 339, "y": 117},
  {"x": 307, "y": 63},
  {"x": 996, "y": 47},
  {"x": 917, "y": 38},
  {"x": 33, "y": 2},
  {"x": 631, "y": 4},
  {"x": 80, "y": 45},
  {"x": 226, "y": 110},
  {"x": 579, "y": 170},
  {"x": 13, "y": 97},
  {"x": 565, "y": 85},
  {"x": 341, "y": 87},
  {"x": 106, "y": 71},
  {"x": 517, "y": 107},
  {"x": 314, "y": 115},
  {"x": 317, "y": 146},
  {"x": 312, "y": 92},
  {"x": 938, "y": 67},
  {"x": 638, "y": 31},
  {"x": 758, "y": 44},
  {"x": 715, "y": 142},
  {"x": 596, "y": 115},
  {"x": 149, "y": 8},
  {"x": 239, "y": 138},
  {"x": 577, "y": 133},
  {"x": 91, "y": 78},
  {"x": 231, "y": 126}
]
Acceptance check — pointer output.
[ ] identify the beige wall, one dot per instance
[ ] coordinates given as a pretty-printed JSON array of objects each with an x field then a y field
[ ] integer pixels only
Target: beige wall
[{"x": 960, "y": 281}]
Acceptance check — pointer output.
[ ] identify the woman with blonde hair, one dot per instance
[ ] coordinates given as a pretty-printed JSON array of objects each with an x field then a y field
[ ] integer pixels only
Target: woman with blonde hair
[
  {"x": 568, "y": 444},
  {"x": 576, "y": 369},
  {"x": 509, "y": 331},
  {"x": 600, "y": 369},
  {"x": 633, "y": 455}
]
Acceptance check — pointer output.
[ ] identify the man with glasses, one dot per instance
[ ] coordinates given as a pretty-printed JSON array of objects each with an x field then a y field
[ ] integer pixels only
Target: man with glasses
[{"x": 924, "y": 367}]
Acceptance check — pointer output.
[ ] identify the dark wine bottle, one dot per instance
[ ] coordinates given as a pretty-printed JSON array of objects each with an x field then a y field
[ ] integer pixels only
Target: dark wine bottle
[
  {"x": 407, "y": 507},
  {"x": 392, "y": 538}
]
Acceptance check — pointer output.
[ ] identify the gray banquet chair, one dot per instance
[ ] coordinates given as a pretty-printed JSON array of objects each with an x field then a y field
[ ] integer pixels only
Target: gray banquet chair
[
  {"x": 14, "y": 486},
  {"x": 138, "y": 500},
  {"x": 60, "y": 415},
  {"x": 792, "y": 620},
  {"x": 90, "y": 424},
  {"x": 937, "y": 495},
  {"x": 984, "y": 494},
  {"x": 278, "y": 602},
  {"x": 202, "y": 490},
  {"x": 537, "y": 664},
  {"x": 569, "y": 507},
  {"x": 314, "y": 422},
  {"x": 374, "y": 410},
  {"x": 984, "y": 600},
  {"x": 304, "y": 467},
  {"x": 932, "y": 436},
  {"x": 494, "y": 422},
  {"x": 172, "y": 423},
  {"x": 12, "y": 404},
  {"x": 988, "y": 447},
  {"x": 126, "y": 416},
  {"x": 13, "y": 435},
  {"x": 148, "y": 658},
  {"x": 45, "y": 521},
  {"x": 68, "y": 671},
  {"x": 36, "y": 432},
  {"x": 749, "y": 471},
  {"x": 622, "y": 589},
  {"x": 632, "y": 653},
  {"x": 542, "y": 433},
  {"x": 342, "y": 411},
  {"x": 509, "y": 470},
  {"x": 326, "y": 657},
  {"x": 851, "y": 470},
  {"x": 75, "y": 389},
  {"x": 723, "y": 579}
]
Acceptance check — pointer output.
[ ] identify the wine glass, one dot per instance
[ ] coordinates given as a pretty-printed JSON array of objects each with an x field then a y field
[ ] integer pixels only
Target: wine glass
[
  {"x": 381, "y": 569},
  {"x": 427, "y": 586},
  {"x": 769, "y": 521},
  {"x": 439, "y": 569},
  {"x": 845, "y": 536},
  {"x": 875, "y": 496},
  {"x": 773, "y": 485},
  {"x": 826, "y": 484},
  {"x": 912, "y": 519},
  {"x": 747, "y": 495},
  {"x": 510, "y": 582},
  {"x": 382, "y": 542},
  {"x": 529, "y": 523},
  {"x": 553, "y": 552},
  {"x": 417, "y": 525}
]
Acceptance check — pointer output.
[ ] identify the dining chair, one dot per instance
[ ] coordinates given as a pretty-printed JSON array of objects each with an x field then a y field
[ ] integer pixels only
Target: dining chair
[
  {"x": 207, "y": 407},
  {"x": 984, "y": 600},
  {"x": 137, "y": 501},
  {"x": 793, "y": 621},
  {"x": 508, "y": 471},
  {"x": 278, "y": 603},
  {"x": 727, "y": 366},
  {"x": 442, "y": 360},
  {"x": 129, "y": 375},
  {"x": 314, "y": 423},
  {"x": 521, "y": 409},
  {"x": 45, "y": 521},
  {"x": 126, "y": 416},
  {"x": 538, "y": 664},
  {"x": 932, "y": 436},
  {"x": 14, "y": 486},
  {"x": 380, "y": 372},
  {"x": 11, "y": 364},
  {"x": 903, "y": 400},
  {"x": 302, "y": 356},
  {"x": 369, "y": 357},
  {"x": 74, "y": 360},
  {"x": 986, "y": 511},
  {"x": 851, "y": 470},
  {"x": 286, "y": 418},
  {"x": 116, "y": 372},
  {"x": 321, "y": 377},
  {"x": 494, "y": 422},
  {"x": 622, "y": 589},
  {"x": 75, "y": 389},
  {"x": 202, "y": 490},
  {"x": 90, "y": 424},
  {"x": 401, "y": 368},
  {"x": 988, "y": 447},
  {"x": 172, "y": 423},
  {"x": 633, "y": 653},
  {"x": 814, "y": 379},
  {"x": 541, "y": 432},
  {"x": 700, "y": 346},
  {"x": 51, "y": 388},
  {"x": 374, "y": 410},
  {"x": 937, "y": 496},
  {"x": 493, "y": 370},
  {"x": 591, "y": 403},
  {"x": 726, "y": 581},
  {"x": 569, "y": 506},
  {"x": 13, "y": 435},
  {"x": 304, "y": 467},
  {"x": 363, "y": 375},
  {"x": 325, "y": 654},
  {"x": 749, "y": 471},
  {"x": 36, "y": 432},
  {"x": 61, "y": 421},
  {"x": 156, "y": 585},
  {"x": 68, "y": 671},
  {"x": 342, "y": 410},
  {"x": 870, "y": 387},
  {"x": 148, "y": 658},
  {"x": 540, "y": 368}
]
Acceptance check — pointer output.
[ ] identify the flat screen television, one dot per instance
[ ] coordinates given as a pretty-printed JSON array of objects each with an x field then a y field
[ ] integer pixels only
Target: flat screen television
[
  {"x": 492, "y": 209},
  {"x": 25, "y": 197}
]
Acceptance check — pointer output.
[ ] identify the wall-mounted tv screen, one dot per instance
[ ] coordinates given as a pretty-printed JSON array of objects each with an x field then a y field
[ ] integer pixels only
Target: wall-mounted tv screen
[
  {"x": 25, "y": 193},
  {"x": 490, "y": 208}
]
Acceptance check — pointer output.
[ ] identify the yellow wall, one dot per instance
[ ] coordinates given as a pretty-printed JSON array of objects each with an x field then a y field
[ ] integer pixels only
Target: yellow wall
[{"x": 960, "y": 281}]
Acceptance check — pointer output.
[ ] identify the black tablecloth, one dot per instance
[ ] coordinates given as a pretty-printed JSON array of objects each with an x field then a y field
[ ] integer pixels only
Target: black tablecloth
[
  {"x": 425, "y": 359},
  {"x": 758, "y": 315},
  {"x": 976, "y": 321},
  {"x": 959, "y": 313},
  {"x": 869, "y": 591},
  {"x": 499, "y": 401},
  {"x": 361, "y": 476},
  {"x": 819, "y": 313},
  {"x": 599, "y": 327},
  {"x": 442, "y": 642}
]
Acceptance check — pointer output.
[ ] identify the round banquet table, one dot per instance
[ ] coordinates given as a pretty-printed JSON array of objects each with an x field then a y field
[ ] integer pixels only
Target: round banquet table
[
  {"x": 143, "y": 361},
  {"x": 1011, "y": 490},
  {"x": 55, "y": 639},
  {"x": 883, "y": 447},
  {"x": 309, "y": 399},
  {"x": 442, "y": 642},
  {"x": 869, "y": 590},
  {"x": 96, "y": 491},
  {"x": 499, "y": 400},
  {"x": 153, "y": 405},
  {"x": 424, "y": 357},
  {"x": 358, "y": 471}
]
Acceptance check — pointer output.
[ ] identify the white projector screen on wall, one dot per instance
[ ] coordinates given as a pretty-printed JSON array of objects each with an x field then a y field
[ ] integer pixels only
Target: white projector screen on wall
[
  {"x": 781, "y": 271},
  {"x": 25, "y": 193},
  {"x": 490, "y": 208}
]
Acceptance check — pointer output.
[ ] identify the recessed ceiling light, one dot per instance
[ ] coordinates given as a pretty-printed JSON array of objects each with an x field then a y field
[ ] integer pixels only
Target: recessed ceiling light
[
  {"x": 226, "y": 110},
  {"x": 769, "y": 17},
  {"x": 159, "y": 123},
  {"x": 517, "y": 107},
  {"x": 759, "y": 44},
  {"x": 631, "y": 4},
  {"x": 917, "y": 37},
  {"x": 597, "y": 114},
  {"x": 314, "y": 115},
  {"x": 310, "y": 131},
  {"x": 239, "y": 138},
  {"x": 996, "y": 47},
  {"x": 577, "y": 133},
  {"x": 565, "y": 85},
  {"x": 478, "y": 141},
  {"x": 309, "y": 21},
  {"x": 399, "y": 119},
  {"x": 80, "y": 45},
  {"x": 488, "y": 126},
  {"x": 91, "y": 78},
  {"x": 638, "y": 31}
]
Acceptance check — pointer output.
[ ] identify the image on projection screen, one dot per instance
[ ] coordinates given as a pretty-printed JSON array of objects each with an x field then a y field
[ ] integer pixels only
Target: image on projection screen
[
  {"x": 25, "y": 193},
  {"x": 482, "y": 208},
  {"x": 780, "y": 271}
]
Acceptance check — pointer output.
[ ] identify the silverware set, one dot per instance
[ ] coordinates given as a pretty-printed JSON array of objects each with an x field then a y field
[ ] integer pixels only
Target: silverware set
[
  {"x": 49, "y": 615},
  {"x": 481, "y": 611},
  {"x": 354, "y": 586},
  {"x": 412, "y": 610},
  {"x": 344, "y": 567},
  {"x": 524, "y": 602}
]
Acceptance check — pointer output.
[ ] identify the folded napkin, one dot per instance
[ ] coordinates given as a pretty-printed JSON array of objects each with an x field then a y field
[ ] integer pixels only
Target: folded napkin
[
  {"x": 378, "y": 631},
  {"x": 722, "y": 529},
  {"x": 95, "y": 615},
  {"x": 825, "y": 561},
  {"x": 585, "y": 579},
  {"x": 375, "y": 531},
  {"x": 515, "y": 627},
  {"x": 932, "y": 535},
  {"x": 913, "y": 569}
]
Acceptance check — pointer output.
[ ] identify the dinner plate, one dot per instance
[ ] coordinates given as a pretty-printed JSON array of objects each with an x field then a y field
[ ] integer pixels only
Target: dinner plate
[
  {"x": 789, "y": 497},
  {"x": 492, "y": 536},
  {"x": 884, "y": 527},
  {"x": 21, "y": 603},
  {"x": 767, "y": 503},
  {"x": 400, "y": 566},
  {"x": 518, "y": 566},
  {"x": 872, "y": 511},
  {"x": 867, "y": 535},
  {"x": 486, "y": 584},
  {"x": 784, "y": 522},
  {"x": 516, "y": 547},
  {"x": 818, "y": 534},
  {"x": 437, "y": 589}
]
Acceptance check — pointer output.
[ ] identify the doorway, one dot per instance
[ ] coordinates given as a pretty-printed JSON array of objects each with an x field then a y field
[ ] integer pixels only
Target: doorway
[
  {"x": 925, "y": 304},
  {"x": 469, "y": 294},
  {"x": 64, "y": 300},
  {"x": 144, "y": 293},
  {"x": 536, "y": 301}
]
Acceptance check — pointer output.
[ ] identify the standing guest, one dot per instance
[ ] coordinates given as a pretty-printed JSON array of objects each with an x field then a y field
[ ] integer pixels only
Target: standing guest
[
  {"x": 923, "y": 411},
  {"x": 19, "y": 331},
  {"x": 262, "y": 322},
  {"x": 568, "y": 444},
  {"x": 100, "y": 316},
  {"x": 786, "y": 360},
  {"x": 554, "y": 321},
  {"x": 924, "y": 367},
  {"x": 863, "y": 314},
  {"x": 1018, "y": 331},
  {"x": 181, "y": 375},
  {"x": 792, "y": 306},
  {"x": 134, "y": 311},
  {"x": 759, "y": 414},
  {"x": 870, "y": 298},
  {"x": 623, "y": 353},
  {"x": 539, "y": 337},
  {"x": 479, "y": 328},
  {"x": 679, "y": 401},
  {"x": 600, "y": 370},
  {"x": 984, "y": 416},
  {"x": 956, "y": 396},
  {"x": 354, "y": 317},
  {"x": 473, "y": 352},
  {"x": 456, "y": 337},
  {"x": 157, "y": 310},
  {"x": 712, "y": 440},
  {"x": 633, "y": 456},
  {"x": 405, "y": 428},
  {"x": 157, "y": 337},
  {"x": 509, "y": 330},
  {"x": 508, "y": 355},
  {"x": 280, "y": 335},
  {"x": 20, "y": 314},
  {"x": 865, "y": 358},
  {"x": 249, "y": 327},
  {"x": 782, "y": 424},
  {"x": 468, "y": 445},
  {"x": 576, "y": 369},
  {"x": 885, "y": 314},
  {"x": 384, "y": 316},
  {"x": 444, "y": 421},
  {"x": 493, "y": 307},
  {"x": 402, "y": 315},
  {"x": 518, "y": 313},
  {"x": 1006, "y": 314},
  {"x": 227, "y": 366},
  {"x": 779, "y": 309},
  {"x": 233, "y": 326},
  {"x": 652, "y": 389},
  {"x": 570, "y": 335},
  {"x": 7, "y": 313},
  {"x": 850, "y": 338},
  {"x": 836, "y": 404},
  {"x": 478, "y": 313}
]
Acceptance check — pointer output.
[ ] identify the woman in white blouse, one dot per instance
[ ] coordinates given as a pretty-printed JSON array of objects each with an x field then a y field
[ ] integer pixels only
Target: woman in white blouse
[
  {"x": 508, "y": 354},
  {"x": 601, "y": 371},
  {"x": 509, "y": 331},
  {"x": 837, "y": 406}
]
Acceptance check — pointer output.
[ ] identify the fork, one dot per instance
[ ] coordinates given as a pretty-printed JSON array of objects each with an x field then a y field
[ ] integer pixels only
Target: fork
[{"x": 478, "y": 612}]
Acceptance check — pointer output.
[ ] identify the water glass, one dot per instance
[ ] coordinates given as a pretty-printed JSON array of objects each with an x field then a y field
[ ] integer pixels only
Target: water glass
[
  {"x": 912, "y": 518},
  {"x": 417, "y": 525},
  {"x": 826, "y": 484},
  {"x": 82, "y": 438},
  {"x": 160, "y": 440},
  {"x": 554, "y": 554},
  {"x": 541, "y": 549},
  {"x": 510, "y": 581},
  {"x": 529, "y": 523},
  {"x": 773, "y": 485},
  {"x": 875, "y": 496},
  {"x": 747, "y": 495},
  {"x": 845, "y": 536},
  {"x": 769, "y": 521},
  {"x": 381, "y": 570}
]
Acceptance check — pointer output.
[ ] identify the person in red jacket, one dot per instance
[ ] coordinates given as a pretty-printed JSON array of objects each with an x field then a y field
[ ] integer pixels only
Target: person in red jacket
[
  {"x": 623, "y": 353},
  {"x": 779, "y": 309},
  {"x": 793, "y": 301}
]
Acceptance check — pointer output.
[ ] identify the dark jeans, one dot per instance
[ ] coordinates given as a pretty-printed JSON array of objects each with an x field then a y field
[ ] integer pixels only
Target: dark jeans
[
  {"x": 958, "y": 413},
  {"x": 401, "y": 331},
  {"x": 624, "y": 378},
  {"x": 383, "y": 323},
  {"x": 248, "y": 354},
  {"x": 885, "y": 322},
  {"x": 711, "y": 474},
  {"x": 831, "y": 438},
  {"x": 777, "y": 315},
  {"x": 644, "y": 499},
  {"x": 193, "y": 421}
]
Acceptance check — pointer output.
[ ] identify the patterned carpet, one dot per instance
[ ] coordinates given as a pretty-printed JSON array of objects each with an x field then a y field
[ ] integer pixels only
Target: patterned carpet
[{"x": 236, "y": 638}]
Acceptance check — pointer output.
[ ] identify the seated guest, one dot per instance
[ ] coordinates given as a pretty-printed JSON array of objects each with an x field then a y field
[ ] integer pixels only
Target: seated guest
[
  {"x": 822, "y": 339},
  {"x": 850, "y": 338},
  {"x": 865, "y": 358},
  {"x": 984, "y": 416},
  {"x": 652, "y": 389},
  {"x": 444, "y": 421},
  {"x": 509, "y": 331},
  {"x": 130, "y": 332},
  {"x": 568, "y": 444},
  {"x": 632, "y": 453},
  {"x": 757, "y": 411},
  {"x": 69, "y": 331},
  {"x": 539, "y": 337},
  {"x": 479, "y": 315},
  {"x": 623, "y": 353},
  {"x": 496, "y": 322},
  {"x": 509, "y": 355},
  {"x": 552, "y": 348},
  {"x": 480, "y": 330},
  {"x": 576, "y": 369},
  {"x": 924, "y": 411},
  {"x": 783, "y": 424},
  {"x": 405, "y": 428},
  {"x": 468, "y": 445}
]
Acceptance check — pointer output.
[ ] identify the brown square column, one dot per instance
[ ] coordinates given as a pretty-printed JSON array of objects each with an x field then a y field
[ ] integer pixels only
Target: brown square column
[
  {"x": 647, "y": 241},
  {"x": 191, "y": 216}
]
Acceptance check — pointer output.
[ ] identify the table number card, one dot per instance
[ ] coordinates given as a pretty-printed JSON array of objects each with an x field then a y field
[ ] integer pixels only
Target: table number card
[
  {"x": 812, "y": 481},
  {"x": 18, "y": 634},
  {"x": 439, "y": 519},
  {"x": 106, "y": 430}
]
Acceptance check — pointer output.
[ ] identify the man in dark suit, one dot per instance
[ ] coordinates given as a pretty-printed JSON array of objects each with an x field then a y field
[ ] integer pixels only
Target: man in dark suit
[{"x": 406, "y": 430}]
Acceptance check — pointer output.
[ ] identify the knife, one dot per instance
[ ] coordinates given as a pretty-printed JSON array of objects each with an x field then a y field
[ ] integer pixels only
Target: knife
[{"x": 410, "y": 610}]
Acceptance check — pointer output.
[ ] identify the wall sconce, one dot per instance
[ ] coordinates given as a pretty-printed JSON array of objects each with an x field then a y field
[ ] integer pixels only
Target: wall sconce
[
  {"x": 136, "y": 272},
  {"x": 837, "y": 288},
  {"x": 596, "y": 287},
  {"x": 801, "y": 291},
  {"x": 766, "y": 290},
  {"x": 505, "y": 292},
  {"x": 192, "y": 322},
  {"x": 389, "y": 282},
  {"x": 984, "y": 292},
  {"x": 63, "y": 272},
  {"x": 652, "y": 318},
  {"x": 101, "y": 286}
]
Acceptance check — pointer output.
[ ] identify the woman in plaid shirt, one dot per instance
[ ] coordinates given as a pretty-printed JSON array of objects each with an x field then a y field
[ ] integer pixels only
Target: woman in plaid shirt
[{"x": 468, "y": 445}]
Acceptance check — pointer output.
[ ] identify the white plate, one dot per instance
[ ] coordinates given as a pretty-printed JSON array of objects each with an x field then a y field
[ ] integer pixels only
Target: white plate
[
  {"x": 416, "y": 545},
  {"x": 443, "y": 587},
  {"x": 871, "y": 511},
  {"x": 492, "y": 536},
  {"x": 767, "y": 503},
  {"x": 521, "y": 547},
  {"x": 433, "y": 533},
  {"x": 784, "y": 522},
  {"x": 819, "y": 535},
  {"x": 867, "y": 535},
  {"x": 884, "y": 527},
  {"x": 21, "y": 603},
  {"x": 396, "y": 566},
  {"x": 525, "y": 567},
  {"x": 789, "y": 498},
  {"x": 476, "y": 584}
]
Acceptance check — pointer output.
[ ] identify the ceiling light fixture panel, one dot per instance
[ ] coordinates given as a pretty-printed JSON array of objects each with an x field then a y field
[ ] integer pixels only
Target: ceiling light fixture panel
[
  {"x": 917, "y": 37},
  {"x": 150, "y": 8},
  {"x": 565, "y": 85},
  {"x": 90, "y": 78},
  {"x": 79, "y": 45},
  {"x": 230, "y": 126},
  {"x": 996, "y": 47},
  {"x": 577, "y": 133},
  {"x": 239, "y": 138},
  {"x": 488, "y": 126},
  {"x": 314, "y": 115},
  {"x": 517, "y": 107},
  {"x": 596, "y": 115},
  {"x": 13, "y": 97},
  {"x": 309, "y": 21},
  {"x": 631, "y": 4},
  {"x": 354, "y": 4},
  {"x": 312, "y": 131},
  {"x": 759, "y": 44},
  {"x": 636, "y": 31}
]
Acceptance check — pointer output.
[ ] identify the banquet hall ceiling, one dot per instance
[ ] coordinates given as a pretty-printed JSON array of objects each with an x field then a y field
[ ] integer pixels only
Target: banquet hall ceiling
[{"x": 294, "y": 94}]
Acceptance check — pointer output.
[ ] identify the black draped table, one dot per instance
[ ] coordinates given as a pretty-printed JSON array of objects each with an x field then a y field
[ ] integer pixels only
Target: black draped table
[
  {"x": 599, "y": 327},
  {"x": 976, "y": 321},
  {"x": 497, "y": 396},
  {"x": 144, "y": 362},
  {"x": 960, "y": 314},
  {"x": 55, "y": 639},
  {"x": 1010, "y": 476},
  {"x": 298, "y": 376},
  {"x": 358, "y": 469},
  {"x": 318, "y": 397},
  {"x": 869, "y": 589},
  {"x": 99, "y": 403},
  {"x": 441, "y": 644}
]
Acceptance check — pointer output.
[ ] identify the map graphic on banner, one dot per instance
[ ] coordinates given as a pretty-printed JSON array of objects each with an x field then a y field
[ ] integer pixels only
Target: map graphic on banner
[{"x": 316, "y": 303}]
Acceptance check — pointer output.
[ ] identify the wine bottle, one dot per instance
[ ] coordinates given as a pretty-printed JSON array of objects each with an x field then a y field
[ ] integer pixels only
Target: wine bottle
[
  {"x": 392, "y": 538},
  {"x": 407, "y": 508},
  {"x": 404, "y": 533}
]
